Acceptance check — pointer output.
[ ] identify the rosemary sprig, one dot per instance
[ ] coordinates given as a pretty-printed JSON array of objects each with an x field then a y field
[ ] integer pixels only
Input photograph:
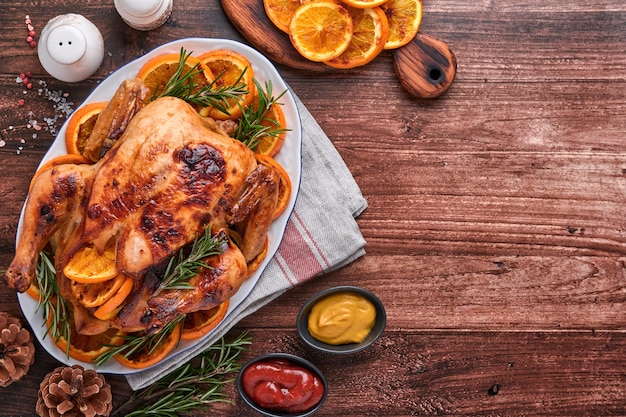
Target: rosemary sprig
[
  {"x": 213, "y": 95},
  {"x": 249, "y": 130},
  {"x": 183, "y": 267},
  {"x": 51, "y": 302},
  {"x": 191, "y": 388},
  {"x": 137, "y": 343},
  {"x": 182, "y": 85}
]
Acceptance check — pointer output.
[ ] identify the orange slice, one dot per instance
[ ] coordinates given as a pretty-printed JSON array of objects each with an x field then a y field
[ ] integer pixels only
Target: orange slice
[
  {"x": 321, "y": 31},
  {"x": 280, "y": 12},
  {"x": 109, "y": 309},
  {"x": 254, "y": 264},
  {"x": 284, "y": 188},
  {"x": 228, "y": 67},
  {"x": 33, "y": 291},
  {"x": 363, "y": 4},
  {"x": 405, "y": 17},
  {"x": 87, "y": 266},
  {"x": 199, "y": 323},
  {"x": 371, "y": 30},
  {"x": 274, "y": 119},
  {"x": 158, "y": 70},
  {"x": 94, "y": 295},
  {"x": 87, "y": 348},
  {"x": 147, "y": 357},
  {"x": 74, "y": 159},
  {"x": 80, "y": 126}
]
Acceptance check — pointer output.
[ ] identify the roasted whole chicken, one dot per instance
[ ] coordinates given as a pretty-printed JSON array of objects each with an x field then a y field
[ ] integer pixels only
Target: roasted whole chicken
[{"x": 168, "y": 175}]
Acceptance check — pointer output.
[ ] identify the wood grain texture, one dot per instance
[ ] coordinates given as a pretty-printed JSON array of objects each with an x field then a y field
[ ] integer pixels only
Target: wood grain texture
[
  {"x": 426, "y": 66},
  {"x": 495, "y": 221},
  {"x": 250, "y": 19}
]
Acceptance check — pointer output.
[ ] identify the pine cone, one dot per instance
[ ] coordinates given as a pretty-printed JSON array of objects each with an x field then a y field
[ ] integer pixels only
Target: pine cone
[
  {"x": 74, "y": 392},
  {"x": 17, "y": 351}
]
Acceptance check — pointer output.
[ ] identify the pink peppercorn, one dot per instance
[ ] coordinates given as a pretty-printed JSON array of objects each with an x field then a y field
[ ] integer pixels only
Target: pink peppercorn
[
  {"x": 32, "y": 33},
  {"x": 29, "y": 39},
  {"x": 20, "y": 102},
  {"x": 33, "y": 44}
]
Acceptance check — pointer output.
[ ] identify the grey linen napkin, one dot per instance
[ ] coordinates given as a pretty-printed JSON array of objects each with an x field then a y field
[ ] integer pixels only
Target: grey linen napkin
[{"x": 321, "y": 235}]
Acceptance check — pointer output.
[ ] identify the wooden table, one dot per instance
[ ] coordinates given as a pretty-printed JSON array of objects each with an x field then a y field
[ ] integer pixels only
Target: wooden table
[{"x": 495, "y": 228}]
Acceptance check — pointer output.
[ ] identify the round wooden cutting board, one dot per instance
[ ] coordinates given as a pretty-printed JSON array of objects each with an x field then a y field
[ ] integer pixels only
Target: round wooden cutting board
[{"x": 426, "y": 67}]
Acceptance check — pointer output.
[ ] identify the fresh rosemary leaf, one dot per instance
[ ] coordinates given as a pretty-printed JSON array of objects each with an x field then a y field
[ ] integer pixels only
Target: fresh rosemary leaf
[
  {"x": 183, "y": 267},
  {"x": 54, "y": 307},
  {"x": 137, "y": 343},
  {"x": 212, "y": 95},
  {"x": 249, "y": 130},
  {"x": 191, "y": 388},
  {"x": 181, "y": 85}
]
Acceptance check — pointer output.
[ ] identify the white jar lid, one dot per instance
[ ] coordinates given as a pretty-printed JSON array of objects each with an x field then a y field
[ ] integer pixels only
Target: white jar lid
[
  {"x": 144, "y": 14},
  {"x": 141, "y": 8},
  {"x": 66, "y": 44}
]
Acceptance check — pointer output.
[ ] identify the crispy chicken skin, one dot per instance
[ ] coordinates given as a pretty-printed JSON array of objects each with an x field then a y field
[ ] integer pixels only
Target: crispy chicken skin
[
  {"x": 170, "y": 173},
  {"x": 155, "y": 195},
  {"x": 113, "y": 120},
  {"x": 55, "y": 198}
]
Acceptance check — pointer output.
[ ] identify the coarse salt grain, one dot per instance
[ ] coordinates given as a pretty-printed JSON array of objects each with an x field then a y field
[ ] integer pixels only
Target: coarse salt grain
[
  {"x": 2, "y": 143},
  {"x": 61, "y": 105}
]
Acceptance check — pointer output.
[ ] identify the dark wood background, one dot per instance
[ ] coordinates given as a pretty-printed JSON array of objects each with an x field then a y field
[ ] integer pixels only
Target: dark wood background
[{"x": 495, "y": 228}]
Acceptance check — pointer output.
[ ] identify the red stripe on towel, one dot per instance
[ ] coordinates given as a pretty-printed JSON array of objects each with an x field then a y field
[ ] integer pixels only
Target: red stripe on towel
[{"x": 300, "y": 257}]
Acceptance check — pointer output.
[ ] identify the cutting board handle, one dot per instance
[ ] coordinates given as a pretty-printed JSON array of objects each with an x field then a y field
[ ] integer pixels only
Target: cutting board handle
[{"x": 426, "y": 67}]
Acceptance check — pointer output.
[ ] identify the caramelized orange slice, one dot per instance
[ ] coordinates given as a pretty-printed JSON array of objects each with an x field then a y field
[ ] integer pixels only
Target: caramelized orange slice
[
  {"x": 158, "y": 70},
  {"x": 405, "y": 17},
  {"x": 229, "y": 68},
  {"x": 273, "y": 119},
  {"x": 371, "y": 30},
  {"x": 151, "y": 356},
  {"x": 199, "y": 323},
  {"x": 87, "y": 266},
  {"x": 321, "y": 31},
  {"x": 81, "y": 125},
  {"x": 284, "y": 189}
]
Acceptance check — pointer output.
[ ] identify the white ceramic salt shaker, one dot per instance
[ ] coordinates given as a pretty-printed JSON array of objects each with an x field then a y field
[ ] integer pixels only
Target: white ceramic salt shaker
[
  {"x": 70, "y": 48},
  {"x": 144, "y": 14}
]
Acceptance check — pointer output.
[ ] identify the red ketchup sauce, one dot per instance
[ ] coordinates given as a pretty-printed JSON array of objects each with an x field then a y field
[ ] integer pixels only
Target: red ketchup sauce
[{"x": 280, "y": 385}]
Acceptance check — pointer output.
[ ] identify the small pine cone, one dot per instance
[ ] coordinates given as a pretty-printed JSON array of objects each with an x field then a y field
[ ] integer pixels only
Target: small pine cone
[
  {"x": 17, "y": 351},
  {"x": 74, "y": 392}
]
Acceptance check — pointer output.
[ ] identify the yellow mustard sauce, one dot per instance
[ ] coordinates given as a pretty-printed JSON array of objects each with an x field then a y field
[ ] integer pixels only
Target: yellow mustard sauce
[{"x": 342, "y": 318}]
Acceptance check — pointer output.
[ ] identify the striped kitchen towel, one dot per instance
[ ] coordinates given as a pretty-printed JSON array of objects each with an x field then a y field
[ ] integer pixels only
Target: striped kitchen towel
[{"x": 321, "y": 235}]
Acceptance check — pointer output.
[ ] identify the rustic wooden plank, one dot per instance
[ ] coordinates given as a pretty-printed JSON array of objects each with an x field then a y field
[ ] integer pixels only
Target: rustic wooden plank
[
  {"x": 525, "y": 293},
  {"x": 437, "y": 373},
  {"x": 478, "y": 374},
  {"x": 495, "y": 215}
]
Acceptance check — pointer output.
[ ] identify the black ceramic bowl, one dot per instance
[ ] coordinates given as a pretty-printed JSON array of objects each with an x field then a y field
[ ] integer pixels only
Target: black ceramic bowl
[
  {"x": 296, "y": 360},
  {"x": 303, "y": 319}
]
